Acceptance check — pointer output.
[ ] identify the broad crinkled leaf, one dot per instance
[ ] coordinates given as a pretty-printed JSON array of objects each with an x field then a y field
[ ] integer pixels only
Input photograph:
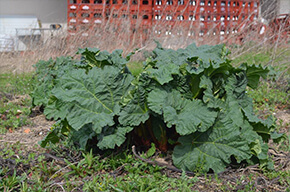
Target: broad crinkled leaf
[
  {"x": 254, "y": 72},
  {"x": 206, "y": 53},
  {"x": 111, "y": 137},
  {"x": 208, "y": 97},
  {"x": 57, "y": 109},
  {"x": 94, "y": 96},
  {"x": 41, "y": 93},
  {"x": 47, "y": 73},
  {"x": 211, "y": 149},
  {"x": 89, "y": 55},
  {"x": 157, "y": 100},
  {"x": 263, "y": 127},
  {"x": 164, "y": 73},
  {"x": 187, "y": 115},
  {"x": 82, "y": 135},
  {"x": 135, "y": 111},
  {"x": 95, "y": 57}
]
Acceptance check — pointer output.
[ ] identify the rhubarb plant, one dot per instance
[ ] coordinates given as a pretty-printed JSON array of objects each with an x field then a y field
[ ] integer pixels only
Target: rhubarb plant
[{"x": 191, "y": 101}]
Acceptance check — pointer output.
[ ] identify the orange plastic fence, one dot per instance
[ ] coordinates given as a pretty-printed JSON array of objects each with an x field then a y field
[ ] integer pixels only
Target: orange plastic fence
[{"x": 194, "y": 18}]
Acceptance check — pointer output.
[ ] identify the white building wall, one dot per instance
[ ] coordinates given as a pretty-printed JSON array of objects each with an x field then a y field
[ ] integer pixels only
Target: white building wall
[
  {"x": 47, "y": 11},
  {"x": 284, "y": 7}
]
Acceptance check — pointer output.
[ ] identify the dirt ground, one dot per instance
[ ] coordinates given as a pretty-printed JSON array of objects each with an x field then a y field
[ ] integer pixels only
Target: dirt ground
[{"x": 29, "y": 136}]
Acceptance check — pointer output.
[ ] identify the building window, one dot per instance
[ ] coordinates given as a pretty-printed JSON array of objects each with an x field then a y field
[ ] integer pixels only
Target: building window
[
  {"x": 202, "y": 18},
  {"x": 214, "y": 18},
  {"x": 180, "y": 17},
  {"x": 201, "y": 33},
  {"x": 180, "y": 2},
  {"x": 191, "y": 18},
  {"x": 229, "y": 3},
  {"x": 125, "y": 16},
  {"x": 229, "y": 17},
  {"x": 191, "y": 2},
  {"x": 86, "y": 1},
  {"x": 145, "y": 2},
  {"x": 222, "y": 18},
  {"x": 115, "y": 1},
  {"x": 255, "y": 4},
  {"x": 134, "y": 16},
  {"x": 223, "y": 3},
  {"x": 202, "y": 3},
  {"x": 214, "y": 3},
  {"x": 169, "y": 2},
  {"x": 158, "y": 2},
  {"x": 208, "y": 3},
  {"x": 134, "y": 2},
  {"x": 168, "y": 17},
  {"x": 157, "y": 32},
  {"x": 168, "y": 33},
  {"x": 98, "y": 15},
  {"x": 98, "y": 1},
  {"x": 208, "y": 18},
  {"x": 145, "y": 17},
  {"x": 124, "y": 1},
  {"x": 191, "y": 33},
  {"x": 157, "y": 17},
  {"x": 72, "y": 15},
  {"x": 85, "y": 15}
]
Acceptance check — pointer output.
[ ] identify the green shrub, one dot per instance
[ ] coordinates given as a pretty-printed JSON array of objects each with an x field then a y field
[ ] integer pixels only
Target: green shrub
[{"x": 191, "y": 100}]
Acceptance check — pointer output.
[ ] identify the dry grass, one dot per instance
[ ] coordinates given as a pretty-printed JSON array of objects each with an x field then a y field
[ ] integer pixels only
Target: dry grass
[{"x": 109, "y": 37}]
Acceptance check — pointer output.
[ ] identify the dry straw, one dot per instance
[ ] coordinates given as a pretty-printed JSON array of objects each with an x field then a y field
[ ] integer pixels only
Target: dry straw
[{"x": 118, "y": 35}]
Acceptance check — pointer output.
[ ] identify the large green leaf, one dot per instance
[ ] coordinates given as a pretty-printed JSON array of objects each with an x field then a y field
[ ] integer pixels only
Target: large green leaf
[
  {"x": 187, "y": 115},
  {"x": 47, "y": 73},
  {"x": 57, "y": 109},
  {"x": 136, "y": 111},
  {"x": 211, "y": 149},
  {"x": 254, "y": 72},
  {"x": 82, "y": 135},
  {"x": 164, "y": 73},
  {"x": 94, "y": 57},
  {"x": 112, "y": 136},
  {"x": 212, "y": 101},
  {"x": 94, "y": 96}
]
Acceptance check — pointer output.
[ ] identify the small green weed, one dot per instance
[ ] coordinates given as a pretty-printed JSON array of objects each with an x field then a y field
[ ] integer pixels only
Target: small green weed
[
  {"x": 268, "y": 97},
  {"x": 14, "y": 101},
  {"x": 17, "y": 84},
  {"x": 283, "y": 176}
]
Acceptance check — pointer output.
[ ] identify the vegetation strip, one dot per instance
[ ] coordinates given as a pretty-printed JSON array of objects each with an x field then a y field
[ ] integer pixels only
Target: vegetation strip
[{"x": 191, "y": 101}]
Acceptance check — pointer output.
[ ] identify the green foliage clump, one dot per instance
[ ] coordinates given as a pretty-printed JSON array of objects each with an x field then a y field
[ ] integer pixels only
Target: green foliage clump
[
  {"x": 14, "y": 101},
  {"x": 191, "y": 101}
]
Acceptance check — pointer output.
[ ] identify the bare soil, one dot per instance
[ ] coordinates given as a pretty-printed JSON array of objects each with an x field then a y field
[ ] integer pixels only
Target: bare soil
[
  {"x": 233, "y": 179},
  {"x": 29, "y": 135}
]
